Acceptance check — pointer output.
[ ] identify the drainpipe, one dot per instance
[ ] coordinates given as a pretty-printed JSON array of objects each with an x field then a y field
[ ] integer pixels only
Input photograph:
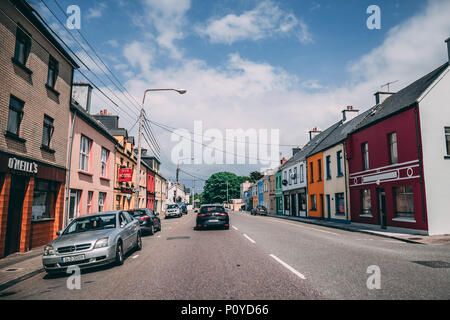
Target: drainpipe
[
  {"x": 419, "y": 153},
  {"x": 69, "y": 163}
]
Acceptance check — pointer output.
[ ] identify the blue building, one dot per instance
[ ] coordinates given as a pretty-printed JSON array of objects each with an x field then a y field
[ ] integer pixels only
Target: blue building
[{"x": 260, "y": 193}]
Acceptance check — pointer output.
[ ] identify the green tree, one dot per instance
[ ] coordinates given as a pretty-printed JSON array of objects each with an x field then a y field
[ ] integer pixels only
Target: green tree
[
  {"x": 215, "y": 190},
  {"x": 255, "y": 176}
]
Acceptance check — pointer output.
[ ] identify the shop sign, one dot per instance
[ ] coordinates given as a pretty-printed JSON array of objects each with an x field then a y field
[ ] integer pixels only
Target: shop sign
[
  {"x": 125, "y": 174},
  {"x": 22, "y": 165}
]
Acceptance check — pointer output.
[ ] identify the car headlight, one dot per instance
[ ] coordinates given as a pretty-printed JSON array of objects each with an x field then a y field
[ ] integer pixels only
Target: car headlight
[
  {"x": 101, "y": 243},
  {"x": 48, "y": 250}
]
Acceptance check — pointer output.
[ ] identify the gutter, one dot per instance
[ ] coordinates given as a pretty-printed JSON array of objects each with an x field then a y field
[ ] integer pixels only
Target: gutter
[{"x": 69, "y": 164}]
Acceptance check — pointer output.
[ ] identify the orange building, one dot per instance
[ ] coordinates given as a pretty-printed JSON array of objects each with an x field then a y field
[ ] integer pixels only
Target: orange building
[{"x": 315, "y": 186}]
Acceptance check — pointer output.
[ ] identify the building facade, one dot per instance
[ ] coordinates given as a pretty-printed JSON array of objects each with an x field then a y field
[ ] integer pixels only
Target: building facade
[{"x": 36, "y": 77}]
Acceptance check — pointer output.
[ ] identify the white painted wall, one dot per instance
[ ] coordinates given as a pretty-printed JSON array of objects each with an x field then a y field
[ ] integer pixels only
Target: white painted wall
[
  {"x": 434, "y": 112},
  {"x": 293, "y": 185}
]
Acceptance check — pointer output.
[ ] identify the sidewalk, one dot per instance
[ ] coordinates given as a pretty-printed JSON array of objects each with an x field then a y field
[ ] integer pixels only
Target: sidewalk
[
  {"x": 410, "y": 236},
  {"x": 18, "y": 267}
]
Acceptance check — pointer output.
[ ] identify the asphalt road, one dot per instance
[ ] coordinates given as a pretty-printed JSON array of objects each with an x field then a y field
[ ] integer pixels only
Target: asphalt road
[{"x": 257, "y": 258}]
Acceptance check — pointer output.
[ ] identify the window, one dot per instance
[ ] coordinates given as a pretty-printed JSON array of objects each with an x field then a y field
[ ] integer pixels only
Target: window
[
  {"x": 89, "y": 201},
  {"x": 295, "y": 175},
  {"x": 53, "y": 69},
  {"x": 340, "y": 165},
  {"x": 290, "y": 176},
  {"x": 23, "y": 47},
  {"x": 302, "y": 178},
  {"x": 15, "y": 115},
  {"x": 101, "y": 201},
  {"x": 313, "y": 202},
  {"x": 366, "y": 204},
  {"x": 319, "y": 162},
  {"x": 85, "y": 150},
  {"x": 47, "y": 131},
  {"x": 340, "y": 203},
  {"x": 365, "y": 155},
  {"x": 104, "y": 163},
  {"x": 447, "y": 139},
  {"x": 311, "y": 167},
  {"x": 393, "y": 155},
  {"x": 44, "y": 199},
  {"x": 302, "y": 201},
  {"x": 328, "y": 163},
  {"x": 285, "y": 175},
  {"x": 404, "y": 201}
]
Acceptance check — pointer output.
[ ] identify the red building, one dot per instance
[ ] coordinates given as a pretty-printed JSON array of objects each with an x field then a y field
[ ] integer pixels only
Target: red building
[
  {"x": 386, "y": 161},
  {"x": 150, "y": 189}
]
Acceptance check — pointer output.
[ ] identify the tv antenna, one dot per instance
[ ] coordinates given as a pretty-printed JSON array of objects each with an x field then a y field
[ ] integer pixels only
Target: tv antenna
[{"x": 388, "y": 84}]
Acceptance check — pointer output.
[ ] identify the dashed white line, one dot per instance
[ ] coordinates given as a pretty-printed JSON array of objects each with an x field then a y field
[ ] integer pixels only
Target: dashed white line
[
  {"x": 235, "y": 228},
  {"x": 249, "y": 239},
  {"x": 284, "y": 264}
]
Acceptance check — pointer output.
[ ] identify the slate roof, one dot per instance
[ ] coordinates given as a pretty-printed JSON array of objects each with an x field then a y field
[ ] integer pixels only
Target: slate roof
[{"x": 403, "y": 99}]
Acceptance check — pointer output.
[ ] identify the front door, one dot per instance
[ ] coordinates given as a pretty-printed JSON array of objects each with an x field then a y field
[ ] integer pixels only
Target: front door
[
  {"x": 328, "y": 206},
  {"x": 15, "y": 211},
  {"x": 293, "y": 205},
  {"x": 382, "y": 207}
]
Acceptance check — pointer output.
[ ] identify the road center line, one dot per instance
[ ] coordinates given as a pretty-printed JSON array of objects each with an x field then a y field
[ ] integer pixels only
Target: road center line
[
  {"x": 248, "y": 238},
  {"x": 284, "y": 264}
]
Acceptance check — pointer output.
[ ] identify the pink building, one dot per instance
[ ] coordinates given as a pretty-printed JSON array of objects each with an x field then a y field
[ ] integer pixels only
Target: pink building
[{"x": 91, "y": 166}]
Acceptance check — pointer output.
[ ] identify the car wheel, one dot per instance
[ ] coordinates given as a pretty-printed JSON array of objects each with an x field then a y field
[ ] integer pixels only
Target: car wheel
[
  {"x": 138, "y": 242},
  {"x": 119, "y": 254}
]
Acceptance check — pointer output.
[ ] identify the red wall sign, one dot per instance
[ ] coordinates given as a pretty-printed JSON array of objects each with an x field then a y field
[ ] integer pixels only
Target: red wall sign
[{"x": 125, "y": 174}]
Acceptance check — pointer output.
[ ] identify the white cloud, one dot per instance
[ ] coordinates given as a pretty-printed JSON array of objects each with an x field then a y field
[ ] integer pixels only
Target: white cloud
[
  {"x": 266, "y": 20},
  {"x": 97, "y": 11}
]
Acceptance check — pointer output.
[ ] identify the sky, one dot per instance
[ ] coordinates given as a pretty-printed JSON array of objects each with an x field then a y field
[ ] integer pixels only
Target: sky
[{"x": 289, "y": 65}]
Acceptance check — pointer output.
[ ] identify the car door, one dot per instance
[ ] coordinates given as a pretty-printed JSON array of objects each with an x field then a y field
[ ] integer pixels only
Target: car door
[
  {"x": 133, "y": 228},
  {"x": 125, "y": 230}
]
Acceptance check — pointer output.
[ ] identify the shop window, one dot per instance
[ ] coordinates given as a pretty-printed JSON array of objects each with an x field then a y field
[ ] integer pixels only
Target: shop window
[
  {"x": 404, "y": 202},
  {"x": 47, "y": 131},
  {"x": 44, "y": 199},
  {"x": 15, "y": 115},
  {"x": 340, "y": 203},
  {"x": 302, "y": 201},
  {"x": 366, "y": 204}
]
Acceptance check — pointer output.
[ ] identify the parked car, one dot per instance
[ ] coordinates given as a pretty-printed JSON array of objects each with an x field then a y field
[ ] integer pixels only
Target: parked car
[
  {"x": 259, "y": 210},
  {"x": 148, "y": 219},
  {"x": 212, "y": 215},
  {"x": 93, "y": 240},
  {"x": 173, "y": 210}
]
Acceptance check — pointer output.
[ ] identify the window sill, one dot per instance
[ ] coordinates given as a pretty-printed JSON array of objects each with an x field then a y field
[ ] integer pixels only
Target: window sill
[
  {"x": 339, "y": 176},
  {"x": 43, "y": 220},
  {"x": 366, "y": 216},
  {"x": 104, "y": 178},
  {"x": 52, "y": 90},
  {"x": 404, "y": 220},
  {"x": 47, "y": 149},
  {"x": 14, "y": 137},
  {"x": 22, "y": 66},
  {"x": 85, "y": 173},
  {"x": 447, "y": 157}
]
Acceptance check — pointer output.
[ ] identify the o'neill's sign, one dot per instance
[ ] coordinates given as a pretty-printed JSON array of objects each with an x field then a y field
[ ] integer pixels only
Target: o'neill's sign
[{"x": 22, "y": 165}]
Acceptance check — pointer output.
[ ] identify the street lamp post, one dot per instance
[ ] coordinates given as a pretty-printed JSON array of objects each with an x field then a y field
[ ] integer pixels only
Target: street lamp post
[
  {"x": 177, "y": 174},
  {"x": 141, "y": 117}
]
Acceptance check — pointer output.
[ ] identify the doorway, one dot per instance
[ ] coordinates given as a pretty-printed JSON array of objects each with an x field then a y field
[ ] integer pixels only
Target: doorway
[
  {"x": 382, "y": 207},
  {"x": 329, "y": 206},
  {"x": 322, "y": 207},
  {"x": 15, "y": 211}
]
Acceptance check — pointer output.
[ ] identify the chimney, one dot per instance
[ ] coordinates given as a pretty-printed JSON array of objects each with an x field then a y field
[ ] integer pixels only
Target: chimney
[
  {"x": 314, "y": 132},
  {"x": 349, "y": 113},
  {"x": 448, "y": 48},
  {"x": 282, "y": 161},
  {"x": 380, "y": 96},
  {"x": 295, "y": 150}
]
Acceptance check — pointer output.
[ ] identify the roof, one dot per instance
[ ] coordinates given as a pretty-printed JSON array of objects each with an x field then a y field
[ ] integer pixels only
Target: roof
[
  {"x": 403, "y": 99},
  {"x": 34, "y": 17},
  {"x": 341, "y": 132},
  {"x": 310, "y": 147},
  {"x": 81, "y": 112}
]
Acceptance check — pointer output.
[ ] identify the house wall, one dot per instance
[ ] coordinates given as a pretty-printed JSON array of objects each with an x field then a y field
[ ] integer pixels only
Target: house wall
[
  {"x": 434, "y": 112},
  {"x": 316, "y": 187}
]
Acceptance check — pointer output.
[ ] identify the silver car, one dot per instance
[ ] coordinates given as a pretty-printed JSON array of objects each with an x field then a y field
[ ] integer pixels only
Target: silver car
[
  {"x": 93, "y": 240},
  {"x": 173, "y": 210}
]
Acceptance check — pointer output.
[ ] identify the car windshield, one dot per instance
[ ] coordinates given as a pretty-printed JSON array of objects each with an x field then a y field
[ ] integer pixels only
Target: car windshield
[
  {"x": 219, "y": 209},
  {"x": 136, "y": 213},
  {"x": 172, "y": 206},
  {"x": 91, "y": 224}
]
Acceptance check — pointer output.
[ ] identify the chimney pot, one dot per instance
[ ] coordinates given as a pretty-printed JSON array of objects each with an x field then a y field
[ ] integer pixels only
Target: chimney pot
[{"x": 448, "y": 48}]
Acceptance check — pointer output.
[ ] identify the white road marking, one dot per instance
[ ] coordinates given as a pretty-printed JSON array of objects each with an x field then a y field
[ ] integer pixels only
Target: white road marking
[
  {"x": 134, "y": 257},
  {"x": 284, "y": 264},
  {"x": 249, "y": 239},
  {"x": 235, "y": 228}
]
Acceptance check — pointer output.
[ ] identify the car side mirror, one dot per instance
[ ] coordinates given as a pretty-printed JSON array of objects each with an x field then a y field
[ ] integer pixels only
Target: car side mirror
[
  {"x": 58, "y": 233},
  {"x": 123, "y": 224}
]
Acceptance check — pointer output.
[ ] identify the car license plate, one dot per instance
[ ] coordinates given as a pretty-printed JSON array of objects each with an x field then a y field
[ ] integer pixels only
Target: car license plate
[
  {"x": 73, "y": 258},
  {"x": 214, "y": 220}
]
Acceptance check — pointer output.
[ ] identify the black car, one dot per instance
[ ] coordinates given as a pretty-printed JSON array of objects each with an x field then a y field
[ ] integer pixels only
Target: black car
[
  {"x": 212, "y": 215},
  {"x": 259, "y": 210},
  {"x": 148, "y": 220}
]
